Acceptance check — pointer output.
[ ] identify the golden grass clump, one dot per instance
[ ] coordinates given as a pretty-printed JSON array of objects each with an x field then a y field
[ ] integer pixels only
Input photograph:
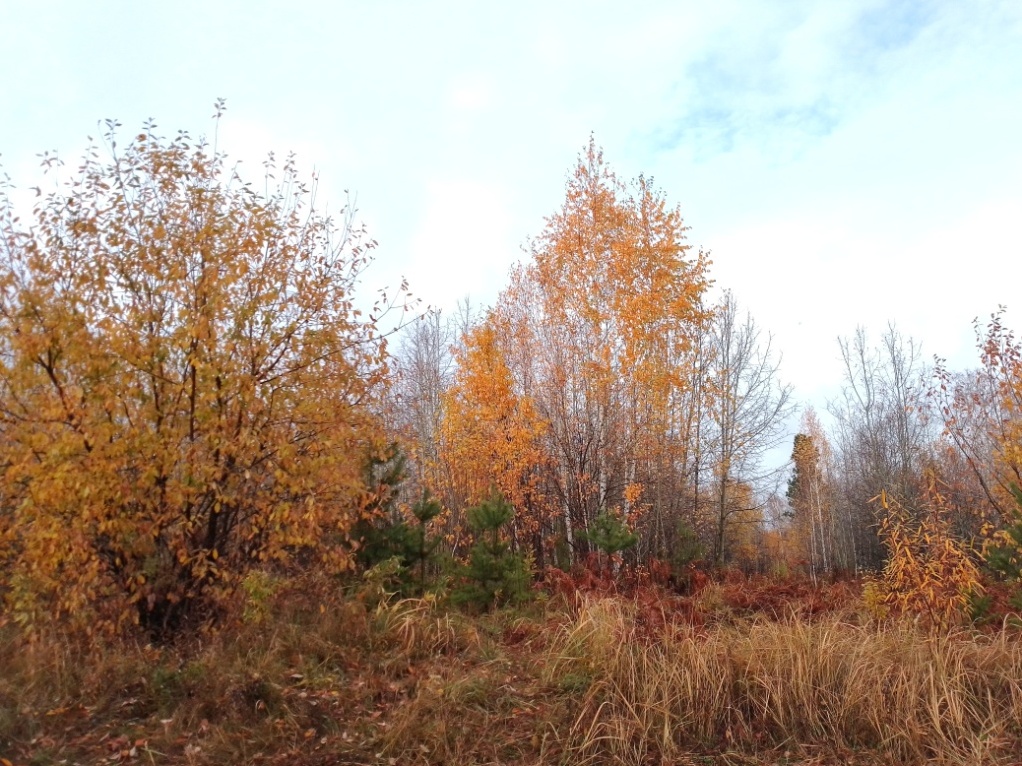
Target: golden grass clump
[
  {"x": 892, "y": 690},
  {"x": 418, "y": 629}
]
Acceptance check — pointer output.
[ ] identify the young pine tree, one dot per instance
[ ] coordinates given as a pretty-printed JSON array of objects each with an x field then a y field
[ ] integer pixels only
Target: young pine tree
[
  {"x": 494, "y": 574},
  {"x": 610, "y": 535}
]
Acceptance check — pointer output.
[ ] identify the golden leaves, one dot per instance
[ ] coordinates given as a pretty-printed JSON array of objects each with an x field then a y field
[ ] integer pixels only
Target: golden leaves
[
  {"x": 186, "y": 390},
  {"x": 490, "y": 435},
  {"x": 600, "y": 328},
  {"x": 930, "y": 573}
]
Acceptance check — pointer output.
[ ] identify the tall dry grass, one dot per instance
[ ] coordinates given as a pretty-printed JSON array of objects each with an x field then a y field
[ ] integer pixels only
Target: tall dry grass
[
  {"x": 236, "y": 690},
  {"x": 318, "y": 676},
  {"x": 308, "y": 674},
  {"x": 891, "y": 690}
]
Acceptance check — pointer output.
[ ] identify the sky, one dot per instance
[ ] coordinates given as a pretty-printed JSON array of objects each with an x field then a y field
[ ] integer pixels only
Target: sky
[{"x": 845, "y": 163}]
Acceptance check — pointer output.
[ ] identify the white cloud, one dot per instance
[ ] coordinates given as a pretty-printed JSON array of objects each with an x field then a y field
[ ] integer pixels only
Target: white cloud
[{"x": 461, "y": 243}]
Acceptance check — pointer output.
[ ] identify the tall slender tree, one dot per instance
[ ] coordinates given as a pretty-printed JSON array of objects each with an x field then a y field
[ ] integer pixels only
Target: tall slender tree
[
  {"x": 609, "y": 310},
  {"x": 882, "y": 436},
  {"x": 810, "y": 496},
  {"x": 748, "y": 406}
]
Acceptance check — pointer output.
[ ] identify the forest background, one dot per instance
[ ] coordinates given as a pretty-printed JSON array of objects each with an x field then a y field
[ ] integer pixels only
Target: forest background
[
  {"x": 199, "y": 415},
  {"x": 206, "y": 407}
]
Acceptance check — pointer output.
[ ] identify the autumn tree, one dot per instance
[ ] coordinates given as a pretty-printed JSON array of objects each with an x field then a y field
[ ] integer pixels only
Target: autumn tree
[
  {"x": 882, "y": 437},
  {"x": 187, "y": 388},
  {"x": 605, "y": 317},
  {"x": 781, "y": 548},
  {"x": 810, "y": 497},
  {"x": 929, "y": 571},
  {"x": 491, "y": 436},
  {"x": 422, "y": 370},
  {"x": 981, "y": 412},
  {"x": 748, "y": 405},
  {"x": 676, "y": 526}
]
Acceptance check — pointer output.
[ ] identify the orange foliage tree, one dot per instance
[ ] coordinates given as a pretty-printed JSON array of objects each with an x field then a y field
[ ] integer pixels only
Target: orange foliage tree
[
  {"x": 810, "y": 495},
  {"x": 186, "y": 387},
  {"x": 929, "y": 573},
  {"x": 603, "y": 322},
  {"x": 490, "y": 437},
  {"x": 982, "y": 414}
]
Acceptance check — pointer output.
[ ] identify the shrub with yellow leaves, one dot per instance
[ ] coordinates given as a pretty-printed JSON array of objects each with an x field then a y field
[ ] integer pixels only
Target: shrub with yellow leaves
[
  {"x": 930, "y": 573},
  {"x": 187, "y": 390}
]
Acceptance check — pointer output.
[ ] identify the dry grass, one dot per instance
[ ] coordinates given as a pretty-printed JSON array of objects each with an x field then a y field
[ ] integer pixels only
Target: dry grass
[
  {"x": 313, "y": 677},
  {"x": 768, "y": 685},
  {"x": 257, "y": 688}
]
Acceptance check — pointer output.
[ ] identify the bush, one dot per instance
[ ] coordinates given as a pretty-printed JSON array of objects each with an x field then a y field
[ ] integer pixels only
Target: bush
[
  {"x": 610, "y": 534},
  {"x": 929, "y": 574},
  {"x": 1004, "y": 553},
  {"x": 186, "y": 389},
  {"x": 494, "y": 573}
]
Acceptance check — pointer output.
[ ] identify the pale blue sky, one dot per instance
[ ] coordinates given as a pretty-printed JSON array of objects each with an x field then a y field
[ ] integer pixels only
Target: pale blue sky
[{"x": 846, "y": 162}]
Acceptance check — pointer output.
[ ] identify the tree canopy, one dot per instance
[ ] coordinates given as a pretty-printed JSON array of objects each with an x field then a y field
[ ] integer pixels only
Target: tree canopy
[{"x": 187, "y": 387}]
